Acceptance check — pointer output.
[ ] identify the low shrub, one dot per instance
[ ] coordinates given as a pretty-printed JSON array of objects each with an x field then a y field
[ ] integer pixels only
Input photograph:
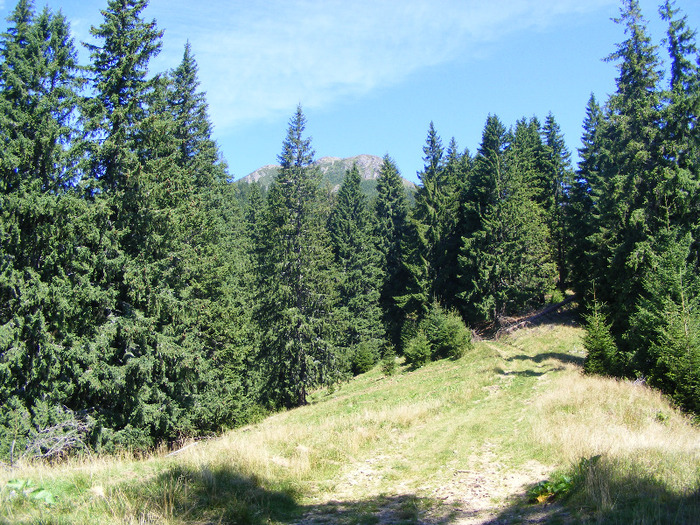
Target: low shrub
[
  {"x": 389, "y": 365},
  {"x": 447, "y": 333},
  {"x": 418, "y": 351},
  {"x": 441, "y": 334},
  {"x": 364, "y": 358},
  {"x": 600, "y": 346}
]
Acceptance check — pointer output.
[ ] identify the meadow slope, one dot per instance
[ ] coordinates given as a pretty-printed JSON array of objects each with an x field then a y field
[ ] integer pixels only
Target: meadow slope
[{"x": 455, "y": 442}]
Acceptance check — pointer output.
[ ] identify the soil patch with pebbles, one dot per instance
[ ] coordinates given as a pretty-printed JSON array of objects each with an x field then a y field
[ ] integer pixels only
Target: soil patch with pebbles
[{"x": 484, "y": 493}]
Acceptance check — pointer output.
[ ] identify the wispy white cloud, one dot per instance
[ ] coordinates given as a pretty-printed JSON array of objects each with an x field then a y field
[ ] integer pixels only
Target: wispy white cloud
[{"x": 259, "y": 58}]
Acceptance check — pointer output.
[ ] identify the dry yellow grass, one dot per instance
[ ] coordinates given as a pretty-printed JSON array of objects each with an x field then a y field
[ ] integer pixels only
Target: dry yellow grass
[{"x": 597, "y": 415}]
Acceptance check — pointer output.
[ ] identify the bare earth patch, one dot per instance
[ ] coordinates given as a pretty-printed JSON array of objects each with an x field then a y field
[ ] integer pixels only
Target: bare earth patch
[{"x": 484, "y": 493}]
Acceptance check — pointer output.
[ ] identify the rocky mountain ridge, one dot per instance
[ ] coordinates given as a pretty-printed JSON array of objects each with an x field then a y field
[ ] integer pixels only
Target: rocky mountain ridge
[{"x": 333, "y": 170}]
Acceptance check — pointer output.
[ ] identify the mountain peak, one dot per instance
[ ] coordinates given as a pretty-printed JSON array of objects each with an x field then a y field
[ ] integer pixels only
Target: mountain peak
[{"x": 333, "y": 170}]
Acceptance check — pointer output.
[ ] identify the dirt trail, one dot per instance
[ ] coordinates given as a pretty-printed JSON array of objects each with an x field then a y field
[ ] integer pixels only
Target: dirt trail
[
  {"x": 480, "y": 491},
  {"x": 485, "y": 493}
]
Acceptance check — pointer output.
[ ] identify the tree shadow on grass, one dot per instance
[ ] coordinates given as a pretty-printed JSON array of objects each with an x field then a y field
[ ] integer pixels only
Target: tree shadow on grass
[
  {"x": 222, "y": 495},
  {"x": 521, "y": 373},
  {"x": 209, "y": 495},
  {"x": 608, "y": 492},
  {"x": 545, "y": 356},
  {"x": 603, "y": 492},
  {"x": 403, "y": 509}
]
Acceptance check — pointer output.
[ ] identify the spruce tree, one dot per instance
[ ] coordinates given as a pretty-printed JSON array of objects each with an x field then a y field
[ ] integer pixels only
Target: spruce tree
[
  {"x": 413, "y": 296},
  {"x": 193, "y": 275},
  {"x": 560, "y": 176},
  {"x": 641, "y": 166},
  {"x": 172, "y": 355},
  {"x": 457, "y": 168},
  {"x": 478, "y": 195},
  {"x": 53, "y": 302},
  {"x": 199, "y": 153},
  {"x": 626, "y": 205},
  {"x": 664, "y": 327},
  {"x": 391, "y": 216},
  {"x": 120, "y": 82},
  {"x": 115, "y": 118},
  {"x": 210, "y": 232},
  {"x": 295, "y": 279},
  {"x": 601, "y": 352},
  {"x": 421, "y": 244},
  {"x": 124, "y": 296},
  {"x": 680, "y": 142},
  {"x": 39, "y": 80},
  {"x": 680, "y": 42},
  {"x": 506, "y": 264},
  {"x": 580, "y": 220},
  {"x": 434, "y": 222},
  {"x": 357, "y": 263}
]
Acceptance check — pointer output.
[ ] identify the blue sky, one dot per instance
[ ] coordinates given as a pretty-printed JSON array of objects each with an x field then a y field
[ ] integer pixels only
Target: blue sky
[{"x": 372, "y": 74}]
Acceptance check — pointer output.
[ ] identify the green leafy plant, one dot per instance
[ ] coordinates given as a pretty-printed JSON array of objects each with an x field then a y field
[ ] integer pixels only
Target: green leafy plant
[
  {"x": 562, "y": 485},
  {"x": 546, "y": 491},
  {"x": 27, "y": 489}
]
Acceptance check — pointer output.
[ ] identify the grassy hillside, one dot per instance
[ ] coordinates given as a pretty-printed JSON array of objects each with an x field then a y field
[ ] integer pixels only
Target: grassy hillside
[{"x": 455, "y": 442}]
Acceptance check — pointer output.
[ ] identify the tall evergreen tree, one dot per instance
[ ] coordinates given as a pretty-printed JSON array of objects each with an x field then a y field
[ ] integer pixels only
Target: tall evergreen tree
[
  {"x": 425, "y": 231},
  {"x": 212, "y": 255},
  {"x": 434, "y": 222},
  {"x": 199, "y": 153},
  {"x": 187, "y": 279},
  {"x": 680, "y": 142},
  {"x": 505, "y": 262},
  {"x": 39, "y": 80},
  {"x": 643, "y": 186},
  {"x": 627, "y": 207},
  {"x": 115, "y": 119},
  {"x": 457, "y": 168},
  {"x": 119, "y": 78},
  {"x": 16, "y": 72},
  {"x": 295, "y": 282},
  {"x": 665, "y": 324},
  {"x": 391, "y": 216},
  {"x": 52, "y": 298},
  {"x": 357, "y": 262},
  {"x": 560, "y": 176},
  {"x": 536, "y": 162},
  {"x": 682, "y": 49},
  {"x": 478, "y": 195},
  {"x": 579, "y": 214},
  {"x": 168, "y": 359}
]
